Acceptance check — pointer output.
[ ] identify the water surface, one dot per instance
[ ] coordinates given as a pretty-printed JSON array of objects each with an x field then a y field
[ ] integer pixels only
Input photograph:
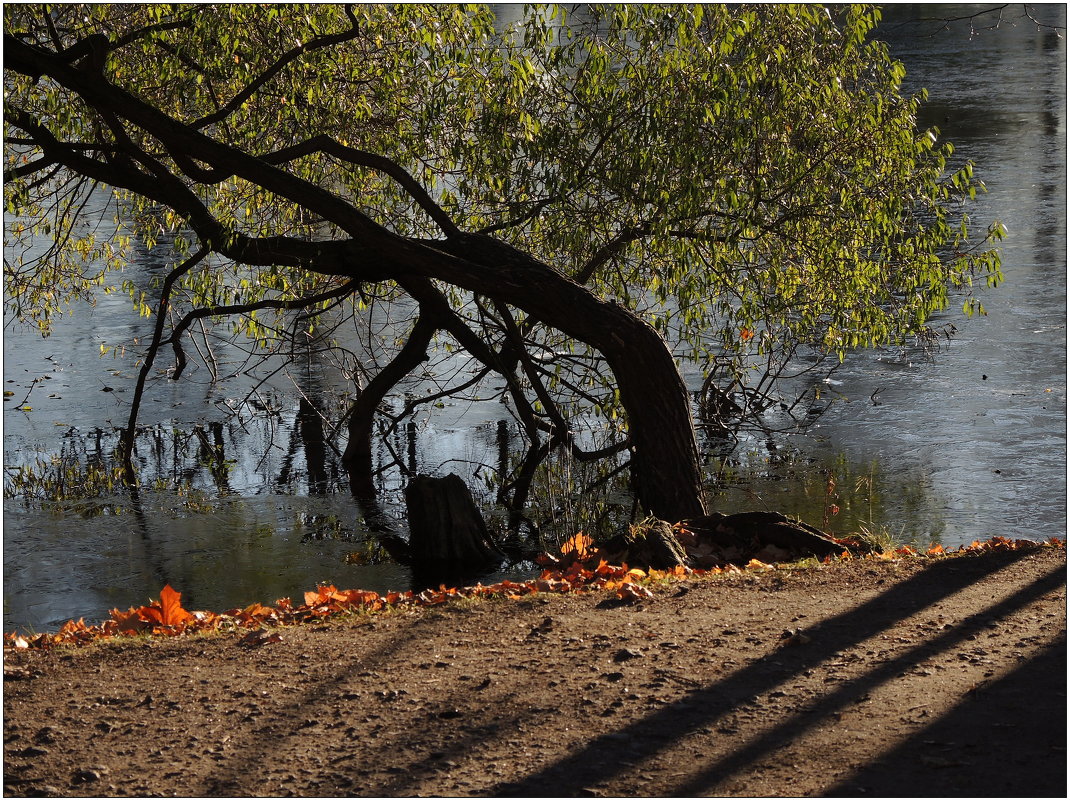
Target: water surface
[{"x": 951, "y": 446}]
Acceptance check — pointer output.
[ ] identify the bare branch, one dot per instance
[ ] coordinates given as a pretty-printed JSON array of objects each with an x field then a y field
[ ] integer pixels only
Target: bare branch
[
  {"x": 140, "y": 33},
  {"x": 27, "y": 169}
]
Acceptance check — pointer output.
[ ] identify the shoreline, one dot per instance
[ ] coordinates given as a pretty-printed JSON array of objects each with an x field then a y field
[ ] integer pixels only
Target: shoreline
[{"x": 940, "y": 676}]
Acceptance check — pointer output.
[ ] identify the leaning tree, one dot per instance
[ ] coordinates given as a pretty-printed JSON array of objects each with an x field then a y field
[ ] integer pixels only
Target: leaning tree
[{"x": 554, "y": 197}]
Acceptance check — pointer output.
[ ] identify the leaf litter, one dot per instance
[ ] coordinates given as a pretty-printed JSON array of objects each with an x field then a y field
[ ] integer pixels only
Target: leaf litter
[{"x": 579, "y": 569}]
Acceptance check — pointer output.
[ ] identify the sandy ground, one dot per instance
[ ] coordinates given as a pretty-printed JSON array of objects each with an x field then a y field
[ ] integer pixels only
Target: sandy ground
[{"x": 930, "y": 677}]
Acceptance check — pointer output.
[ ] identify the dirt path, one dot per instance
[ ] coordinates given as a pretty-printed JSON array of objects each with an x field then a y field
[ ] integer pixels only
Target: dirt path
[{"x": 942, "y": 677}]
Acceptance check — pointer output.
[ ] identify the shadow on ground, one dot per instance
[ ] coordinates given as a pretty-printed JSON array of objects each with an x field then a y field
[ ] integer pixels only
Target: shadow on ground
[{"x": 1030, "y": 702}]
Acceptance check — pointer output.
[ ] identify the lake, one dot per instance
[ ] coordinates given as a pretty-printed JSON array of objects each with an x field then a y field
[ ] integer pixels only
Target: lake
[{"x": 948, "y": 446}]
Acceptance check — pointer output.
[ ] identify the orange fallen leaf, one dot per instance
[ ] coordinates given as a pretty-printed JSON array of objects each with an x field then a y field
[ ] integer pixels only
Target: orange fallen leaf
[
  {"x": 578, "y": 546},
  {"x": 254, "y": 613},
  {"x": 167, "y": 617},
  {"x": 167, "y": 611},
  {"x": 171, "y": 601}
]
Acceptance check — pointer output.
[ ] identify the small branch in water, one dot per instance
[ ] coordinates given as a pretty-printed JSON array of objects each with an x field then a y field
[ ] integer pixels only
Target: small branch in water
[{"x": 32, "y": 385}]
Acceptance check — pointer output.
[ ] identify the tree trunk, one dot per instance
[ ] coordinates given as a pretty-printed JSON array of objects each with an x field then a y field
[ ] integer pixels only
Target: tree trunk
[
  {"x": 665, "y": 459},
  {"x": 649, "y": 544}
]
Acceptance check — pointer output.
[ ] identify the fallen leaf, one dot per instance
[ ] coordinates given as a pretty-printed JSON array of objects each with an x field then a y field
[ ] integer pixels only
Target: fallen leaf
[
  {"x": 129, "y": 622},
  {"x": 577, "y": 546},
  {"x": 17, "y": 672},
  {"x": 259, "y": 637},
  {"x": 629, "y": 591}
]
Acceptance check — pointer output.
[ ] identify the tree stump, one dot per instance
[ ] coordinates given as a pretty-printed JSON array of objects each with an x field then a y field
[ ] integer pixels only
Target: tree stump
[
  {"x": 445, "y": 527},
  {"x": 650, "y": 543}
]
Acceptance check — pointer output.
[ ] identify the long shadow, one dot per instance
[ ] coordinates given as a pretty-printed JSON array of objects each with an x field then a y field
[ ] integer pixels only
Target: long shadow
[
  {"x": 1008, "y": 736},
  {"x": 792, "y": 728},
  {"x": 253, "y": 746},
  {"x": 600, "y": 761}
]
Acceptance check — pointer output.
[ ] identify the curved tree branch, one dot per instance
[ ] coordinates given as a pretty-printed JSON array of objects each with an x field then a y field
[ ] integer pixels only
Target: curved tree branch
[
  {"x": 244, "y": 308},
  {"x": 430, "y": 297},
  {"x": 358, "y": 455},
  {"x": 140, "y": 33},
  {"x": 329, "y": 145},
  {"x": 277, "y": 67}
]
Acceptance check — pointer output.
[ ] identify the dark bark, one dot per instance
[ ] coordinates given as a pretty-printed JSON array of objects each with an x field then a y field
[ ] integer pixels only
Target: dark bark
[
  {"x": 650, "y": 543},
  {"x": 445, "y": 526}
]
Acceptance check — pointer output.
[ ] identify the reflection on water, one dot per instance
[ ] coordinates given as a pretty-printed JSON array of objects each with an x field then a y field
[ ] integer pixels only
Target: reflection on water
[{"x": 967, "y": 444}]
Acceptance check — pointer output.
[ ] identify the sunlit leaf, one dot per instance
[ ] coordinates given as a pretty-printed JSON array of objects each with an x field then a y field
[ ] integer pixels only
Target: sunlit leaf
[
  {"x": 170, "y": 602},
  {"x": 630, "y": 591},
  {"x": 577, "y": 546}
]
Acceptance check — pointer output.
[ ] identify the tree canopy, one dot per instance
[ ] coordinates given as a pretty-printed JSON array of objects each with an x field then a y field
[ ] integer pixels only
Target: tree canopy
[{"x": 551, "y": 194}]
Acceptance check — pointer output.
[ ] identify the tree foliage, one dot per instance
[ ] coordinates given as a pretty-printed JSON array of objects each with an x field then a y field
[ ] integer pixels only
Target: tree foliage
[{"x": 748, "y": 180}]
